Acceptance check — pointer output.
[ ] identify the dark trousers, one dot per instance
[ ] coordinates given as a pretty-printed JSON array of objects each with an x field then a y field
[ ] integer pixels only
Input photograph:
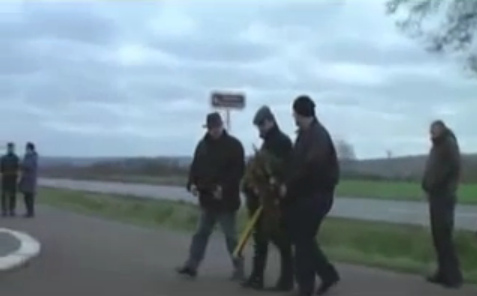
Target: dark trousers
[
  {"x": 441, "y": 211},
  {"x": 29, "y": 199},
  {"x": 282, "y": 241},
  {"x": 304, "y": 219},
  {"x": 9, "y": 194}
]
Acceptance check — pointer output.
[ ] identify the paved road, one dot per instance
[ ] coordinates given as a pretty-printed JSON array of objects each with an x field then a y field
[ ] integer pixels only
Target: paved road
[
  {"x": 89, "y": 256},
  {"x": 8, "y": 243},
  {"x": 358, "y": 208}
]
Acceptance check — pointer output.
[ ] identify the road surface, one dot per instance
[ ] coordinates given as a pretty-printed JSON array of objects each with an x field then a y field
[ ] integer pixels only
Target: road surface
[
  {"x": 358, "y": 208},
  {"x": 90, "y": 256}
]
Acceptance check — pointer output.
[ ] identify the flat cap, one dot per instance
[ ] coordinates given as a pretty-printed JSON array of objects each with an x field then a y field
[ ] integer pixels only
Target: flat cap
[{"x": 264, "y": 113}]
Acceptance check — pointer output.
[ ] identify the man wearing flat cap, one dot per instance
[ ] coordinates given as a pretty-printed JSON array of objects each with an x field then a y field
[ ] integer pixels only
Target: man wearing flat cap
[
  {"x": 313, "y": 176},
  {"x": 214, "y": 177},
  {"x": 279, "y": 146}
]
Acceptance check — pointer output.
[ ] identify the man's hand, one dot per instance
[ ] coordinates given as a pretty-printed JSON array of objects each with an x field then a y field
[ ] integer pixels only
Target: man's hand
[{"x": 218, "y": 193}]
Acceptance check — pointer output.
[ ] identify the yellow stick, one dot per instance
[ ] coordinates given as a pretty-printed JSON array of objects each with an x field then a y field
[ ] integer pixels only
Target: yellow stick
[{"x": 246, "y": 233}]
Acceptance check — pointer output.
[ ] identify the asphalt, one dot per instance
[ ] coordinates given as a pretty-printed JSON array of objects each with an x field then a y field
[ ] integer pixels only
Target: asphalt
[
  {"x": 406, "y": 212},
  {"x": 90, "y": 256},
  {"x": 8, "y": 244}
]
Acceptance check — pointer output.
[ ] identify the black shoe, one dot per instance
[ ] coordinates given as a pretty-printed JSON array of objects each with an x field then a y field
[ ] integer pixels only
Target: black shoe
[
  {"x": 327, "y": 285},
  {"x": 28, "y": 215},
  {"x": 186, "y": 270},
  {"x": 434, "y": 279},
  {"x": 4, "y": 214},
  {"x": 439, "y": 280},
  {"x": 253, "y": 282},
  {"x": 12, "y": 214}
]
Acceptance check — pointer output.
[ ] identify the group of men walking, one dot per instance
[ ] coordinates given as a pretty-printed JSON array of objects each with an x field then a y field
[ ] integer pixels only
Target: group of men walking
[
  {"x": 306, "y": 193},
  {"x": 18, "y": 176}
]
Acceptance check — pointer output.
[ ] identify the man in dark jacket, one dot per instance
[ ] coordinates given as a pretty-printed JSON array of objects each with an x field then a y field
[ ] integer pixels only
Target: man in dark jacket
[
  {"x": 214, "y": 176},
  {"x": 280, "y": 146},
  {"x": 10, "y": 164},
  {"x": 309, "y": 191},
  {"x": 440, "y": 182}
]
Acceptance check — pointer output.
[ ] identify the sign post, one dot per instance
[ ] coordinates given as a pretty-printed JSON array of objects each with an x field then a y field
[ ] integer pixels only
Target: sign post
[{"x": 227, "y": 101}]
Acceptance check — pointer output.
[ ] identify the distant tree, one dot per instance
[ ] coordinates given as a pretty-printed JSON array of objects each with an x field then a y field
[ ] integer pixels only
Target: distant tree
[
  {"x": 345, "y": 151},
  {"x": 445, "y": 26}
]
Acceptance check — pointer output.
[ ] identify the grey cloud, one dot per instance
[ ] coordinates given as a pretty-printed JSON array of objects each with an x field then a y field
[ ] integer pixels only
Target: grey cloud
[
  {"x": 359, "y": 50},
  {"x": 69, "y": 21},
  {"x": 214, "y": 49}
]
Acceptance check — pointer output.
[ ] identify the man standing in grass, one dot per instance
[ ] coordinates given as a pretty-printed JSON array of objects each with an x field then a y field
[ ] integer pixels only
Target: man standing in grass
[
  {"x": 440, "y": 182},
  {"x": 309, "y": 192},
  {"x": 10, "y": 164},
  {"x": 279, "y": 146},
  {"x": 214, "y": 176}
]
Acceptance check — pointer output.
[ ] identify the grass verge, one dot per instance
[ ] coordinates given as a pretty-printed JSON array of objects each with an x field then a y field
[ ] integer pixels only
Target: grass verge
[
  {"x": 391, "y": 246},
  {"x": 383, "y": 190}
]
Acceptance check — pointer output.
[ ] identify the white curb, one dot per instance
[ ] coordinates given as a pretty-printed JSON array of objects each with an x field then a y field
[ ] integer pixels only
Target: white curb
[{"x": 29, "y": 249}]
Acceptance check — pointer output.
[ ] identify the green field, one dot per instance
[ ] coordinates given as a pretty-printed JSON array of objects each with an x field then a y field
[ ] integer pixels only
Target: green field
[
  {"x": 398, "y": 190},
  {"x": 387, "y": 190},
  {"x": 390, "y": 246}
]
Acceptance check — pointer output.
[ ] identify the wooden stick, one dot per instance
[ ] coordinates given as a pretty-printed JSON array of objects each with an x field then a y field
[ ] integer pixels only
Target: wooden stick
[{"x": 246, "y": 233}]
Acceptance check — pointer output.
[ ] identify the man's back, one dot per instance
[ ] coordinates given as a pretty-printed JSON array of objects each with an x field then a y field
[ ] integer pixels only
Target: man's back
[{"x": 10, "y": 164}]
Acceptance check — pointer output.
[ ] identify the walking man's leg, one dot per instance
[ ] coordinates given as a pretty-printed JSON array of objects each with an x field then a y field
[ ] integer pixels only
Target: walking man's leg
[
  {"x": 305, "y": 220},
  {"x": 260, "y": 249},
  {"x": 227, "y": 222},
  {"x": 285, "y": 281},
  {"x": 442, "y": 225},
  {"x": 199, "y": 243},
  {"x": 4, "y": 200},
  {"x": 12, "y": 192},
  {"x": 29, "y": 199}
]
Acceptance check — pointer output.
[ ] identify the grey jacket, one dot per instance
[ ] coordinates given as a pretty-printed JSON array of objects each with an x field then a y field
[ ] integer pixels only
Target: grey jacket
[{"x": 29, "y": 173}]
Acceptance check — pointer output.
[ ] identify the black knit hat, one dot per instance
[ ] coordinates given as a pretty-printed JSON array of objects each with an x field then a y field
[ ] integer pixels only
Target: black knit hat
[{"x": 304, "y": 106}]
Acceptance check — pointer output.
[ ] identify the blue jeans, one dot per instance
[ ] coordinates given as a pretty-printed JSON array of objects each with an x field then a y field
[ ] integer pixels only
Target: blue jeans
[{"x": 206, "y": 224}]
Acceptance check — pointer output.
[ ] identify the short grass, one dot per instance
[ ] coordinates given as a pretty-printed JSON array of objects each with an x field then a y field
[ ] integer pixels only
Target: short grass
[
  {"x": 390, "y": 246},
  {"x": 385, "y": 190}
]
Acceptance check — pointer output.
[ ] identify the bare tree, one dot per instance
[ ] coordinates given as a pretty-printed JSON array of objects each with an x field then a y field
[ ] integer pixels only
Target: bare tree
[
  {"x": 345, "y": 150},
  {"x": 445, "y": 26}
]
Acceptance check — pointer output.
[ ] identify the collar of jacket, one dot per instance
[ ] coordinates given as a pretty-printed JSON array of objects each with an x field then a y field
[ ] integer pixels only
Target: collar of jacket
[
  {"x": 272, "y": 132},
  {"x": 208, "y": 138}
]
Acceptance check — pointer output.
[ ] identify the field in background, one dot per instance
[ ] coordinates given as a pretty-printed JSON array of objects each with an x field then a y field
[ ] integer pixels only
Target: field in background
[
  {"x": 385, "y": 190},
  {"x": 390, "y": 246}
]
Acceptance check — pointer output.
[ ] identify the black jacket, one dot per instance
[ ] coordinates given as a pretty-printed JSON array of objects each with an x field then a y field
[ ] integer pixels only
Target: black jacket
[
  {"x": 281, "y": 146},
  {"x": 314, "y": 165},
  {"x": 218, "y": 162},
  {"x": 10, "y": 164},
  {"x": 443, "y": 167}
]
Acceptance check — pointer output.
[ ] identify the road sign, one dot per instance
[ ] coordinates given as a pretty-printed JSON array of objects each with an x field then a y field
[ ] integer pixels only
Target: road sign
[{"x": 227, "y": 100}]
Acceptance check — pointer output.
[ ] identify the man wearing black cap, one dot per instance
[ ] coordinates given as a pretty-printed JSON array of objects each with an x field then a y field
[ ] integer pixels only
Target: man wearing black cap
[
  {"x": 309, "y": 190},
  {"x": 440, "y": 182},
  {"x": 279, "y": 145},
  {"x": 214, "y": 176}
]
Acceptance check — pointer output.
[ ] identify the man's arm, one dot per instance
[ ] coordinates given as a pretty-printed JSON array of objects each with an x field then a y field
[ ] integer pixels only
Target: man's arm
[
  {"x": 193, "y": 167},
  {"x": 447, "y": 165},
  {"x": 2, "y": 165}
]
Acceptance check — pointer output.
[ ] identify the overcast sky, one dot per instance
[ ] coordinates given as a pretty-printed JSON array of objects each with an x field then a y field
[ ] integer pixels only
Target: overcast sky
[{"x": 133, "y": 78}]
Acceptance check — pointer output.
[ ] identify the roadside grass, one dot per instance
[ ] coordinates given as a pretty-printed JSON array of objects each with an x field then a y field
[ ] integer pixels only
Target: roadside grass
[
  {"x": 390, "y": 246},
  {"x": 383, "y": 190}
]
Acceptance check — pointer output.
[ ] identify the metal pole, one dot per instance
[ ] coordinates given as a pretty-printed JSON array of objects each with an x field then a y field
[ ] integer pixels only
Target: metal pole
[{"x": 227, "y": 119}]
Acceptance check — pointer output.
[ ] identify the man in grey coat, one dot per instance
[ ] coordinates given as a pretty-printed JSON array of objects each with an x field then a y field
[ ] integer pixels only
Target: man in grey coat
[{"x": 28, "y": 180}]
